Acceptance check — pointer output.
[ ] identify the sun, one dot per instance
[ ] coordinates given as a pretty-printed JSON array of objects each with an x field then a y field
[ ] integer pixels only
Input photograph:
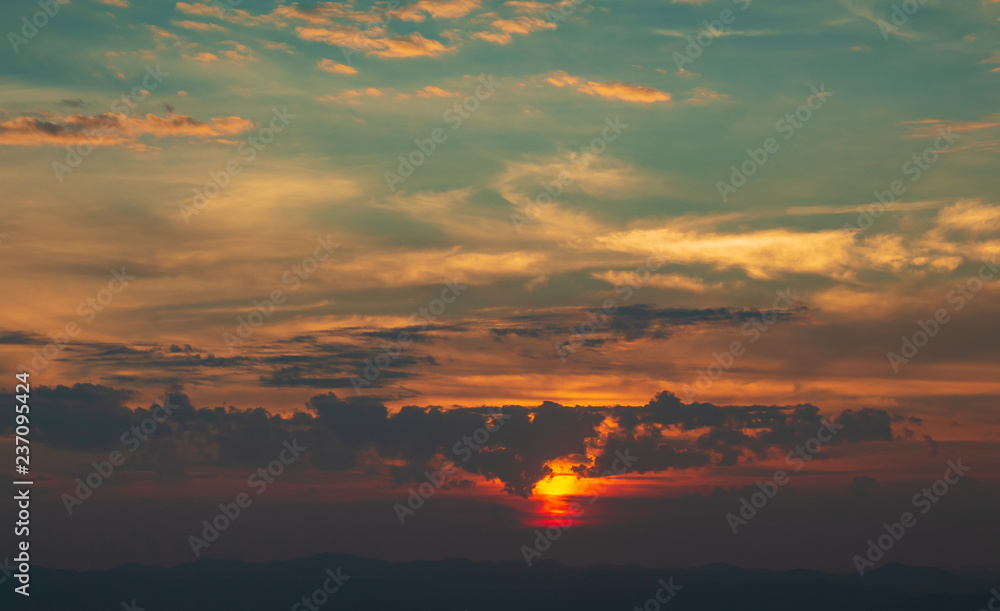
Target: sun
[
  {"x": 557, "y": 493},
  {"x": 561, "y": 484}
]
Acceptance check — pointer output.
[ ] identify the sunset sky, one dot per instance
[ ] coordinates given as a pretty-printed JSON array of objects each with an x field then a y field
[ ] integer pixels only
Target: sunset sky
[{"x": 375, "y": 223}]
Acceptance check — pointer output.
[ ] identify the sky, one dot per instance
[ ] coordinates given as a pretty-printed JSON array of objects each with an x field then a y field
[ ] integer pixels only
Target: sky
[{"x": 526, "y": 237}]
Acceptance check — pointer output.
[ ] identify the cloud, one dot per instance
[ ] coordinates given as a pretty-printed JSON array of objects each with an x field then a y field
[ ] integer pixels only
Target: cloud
[
  {"x": 321, "y": 13},
  {"x": 228, "y": 13},
  {"x": 431, "y": 91},
  {"x": 199, "y": 25},
  {"x": 113, "y": 129},
  {"x": 239, "y": 53},
  {"x": 523, "y": 25},
  {"x": 663, "y": 281},
  {"x": 414, "y": 45},
  {"x": 204, "y": 57},
  {"x": 613, "y": 91},
  {"x": 375, "y": 42},
  {"x": 324, "y": 13},
  {"x": 500, "y": 38},
  {"x": 118, "y": 3},
  {"x": 770, "y": 253},
  {"x": 929, "y": 128},
  {"x": 277, "y": 46},
  {"x": 359, "y": 432},
  {"x": 628, "y": 323},
  {"x": 527, "y": 6},
  {"x": 83, "y": 418},
  {"x": 701, "y": 95},
  {"x": 351, "y": 96},
  {"x": 971, "y": 216},
  {"x": 328, "y": 65},
  {"x": 448, "y": 9}
]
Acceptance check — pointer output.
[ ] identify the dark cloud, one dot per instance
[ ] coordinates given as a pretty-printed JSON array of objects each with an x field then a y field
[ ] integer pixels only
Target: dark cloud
[
  {"x": 321, "y": 360},
  {"x": 85, "y": 417},
  {"x": 512, "y": 444},
  {"x": 629, "y": 323},
  {"x": 21, "y": 338}
]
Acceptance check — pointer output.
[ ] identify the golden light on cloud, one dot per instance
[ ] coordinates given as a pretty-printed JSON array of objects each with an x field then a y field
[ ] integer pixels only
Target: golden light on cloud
[
  {"x": 616, "y": 90},
  {"x": 328, "y": 65}
]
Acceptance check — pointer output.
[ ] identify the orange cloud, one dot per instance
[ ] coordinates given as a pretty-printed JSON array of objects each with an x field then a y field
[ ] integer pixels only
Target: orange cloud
[
  {"x": 772, "y": 253},
  {"x": 626, "y": 92},
  {"x": 524, "y": 25},
  {"x": 198, "y": 25},
  {"x": 509, "y": 27},
  {"x": 205, "y": 57},
  {"x": 232, "y": 15},
  {"x": 158, "y": 33},
  {"x": 448, "y": 9},
  {"x": 431, "y": 91},
  {"x": 328, "y": 65},
  {"x": 198, "y": 9},
  {"x": 413, "y": 45},
  {"x": 527, "y": 6},
  {"x": 500, "y": 38},
  {"x": 239, "y": 53},
  {"x": 113, "y": 129},
  {"x": 277, "y": 46},
  {"x": 323, "y": 13},
  {"x": 374, "y": 41},
  {"x": 613, "y": 91},
  {"x": 351, "y": 95},
  {"x": 971, "y": 216},
  {"x": 665, "y": 281}
]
